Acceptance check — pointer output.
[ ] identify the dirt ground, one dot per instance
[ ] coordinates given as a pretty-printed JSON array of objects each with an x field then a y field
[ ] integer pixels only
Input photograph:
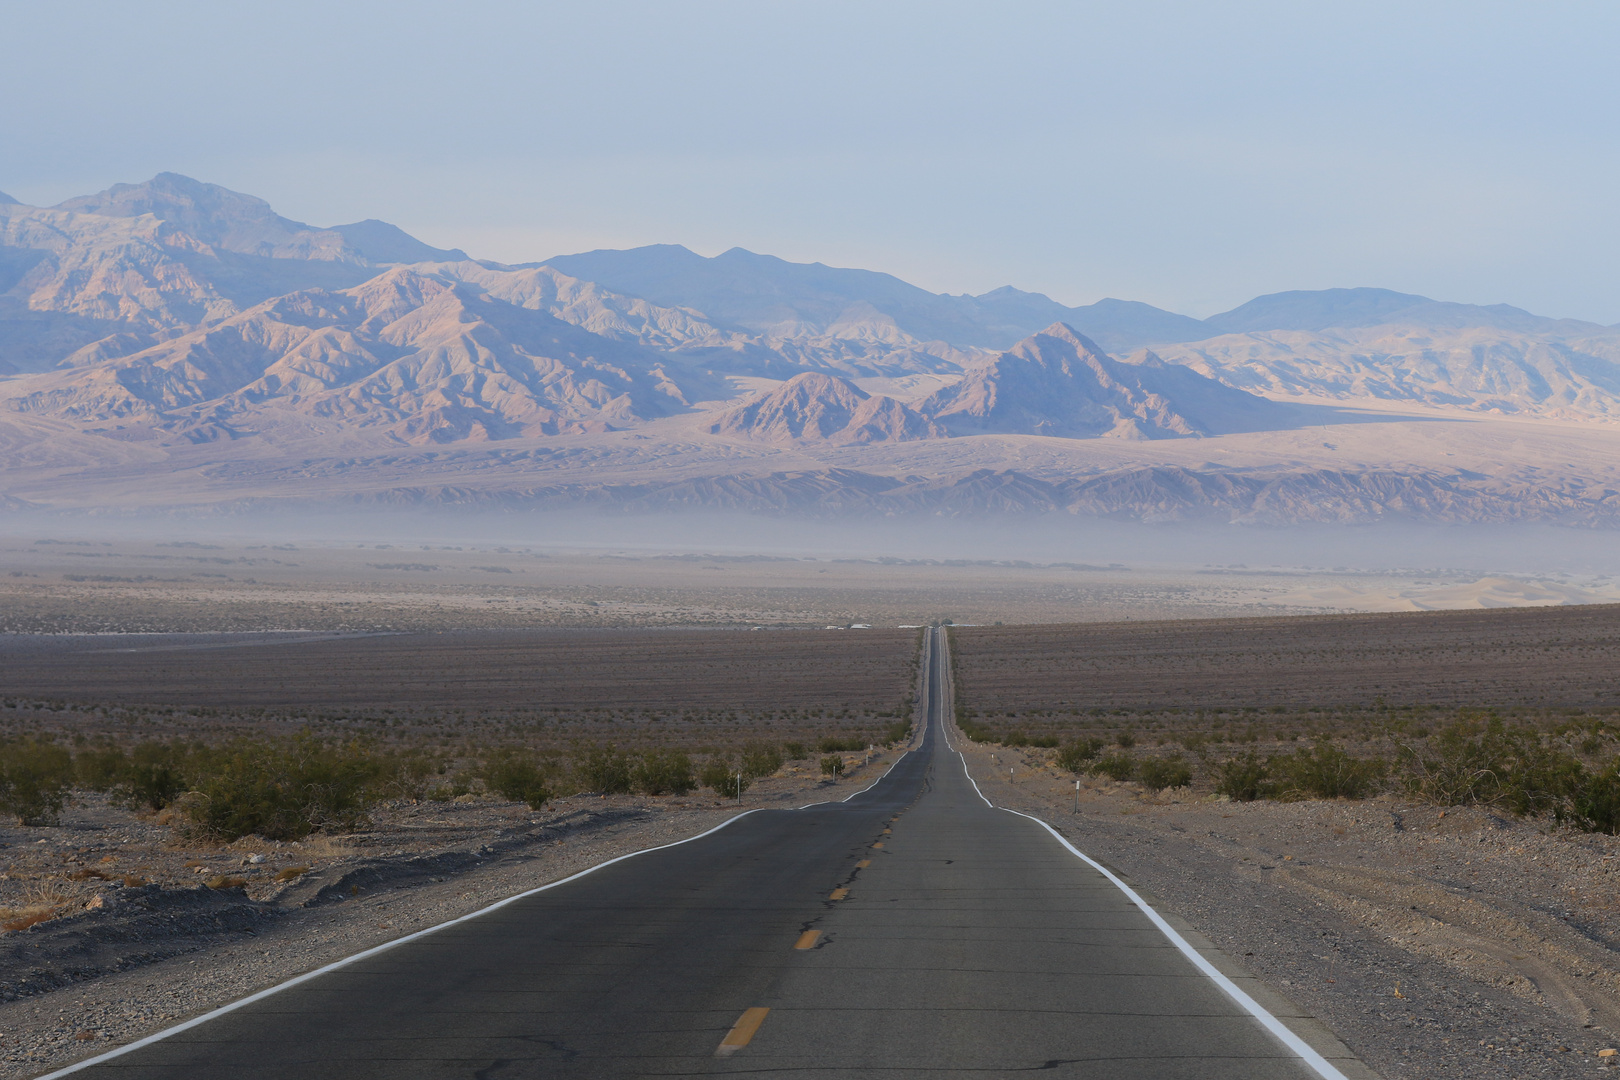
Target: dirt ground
[
  {"x": 1435, "y": 943},
  {"x": 559, "y": 671},
  {"x": 119, "y": 961},
  {"x": 1559, "y": 656}
]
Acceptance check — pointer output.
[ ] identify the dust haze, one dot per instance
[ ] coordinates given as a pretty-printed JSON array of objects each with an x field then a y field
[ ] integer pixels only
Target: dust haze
[{"x": 437, "y": 570}]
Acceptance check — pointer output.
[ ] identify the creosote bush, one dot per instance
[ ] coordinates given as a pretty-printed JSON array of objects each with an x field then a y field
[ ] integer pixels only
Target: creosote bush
[
  {"x": 1478, "y": 759},
  {"x": 1243, "y": 778},
  {"x": 1324, "y": 772},
  {"x": 1117, "y": 767},
  {"x": 1076, "y": 756},
  {"x": 1156, "y": 774},
  {"x": 663, "y": 772},
  {"x": 516, "y": 775},
  {"x": 760, "y": 759},
  {"x": 602, "y": 769},
  {"x": 724, "y": 778},
  {"x": 832, "y": 765},
  {"x": 281, "y": 790},
  {"x": 35, "y": 778}
]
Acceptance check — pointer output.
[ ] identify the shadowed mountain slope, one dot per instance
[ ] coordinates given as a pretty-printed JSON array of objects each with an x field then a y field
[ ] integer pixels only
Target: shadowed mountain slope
[
  {"x": 818, "y": 407},
  {"x": 1058, "y": 382},
  {"x": 117, "y": 271},
  {"x": 427, "y": 359}
]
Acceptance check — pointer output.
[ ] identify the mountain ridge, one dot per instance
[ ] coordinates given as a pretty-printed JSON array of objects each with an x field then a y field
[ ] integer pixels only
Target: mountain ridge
[
  {"x": 1058, "y": 382},
  {"x": 180, "y": 321}
]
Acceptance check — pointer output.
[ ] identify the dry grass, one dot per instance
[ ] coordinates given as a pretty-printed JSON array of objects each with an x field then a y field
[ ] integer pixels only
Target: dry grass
[{"x": 38, "y": 902}]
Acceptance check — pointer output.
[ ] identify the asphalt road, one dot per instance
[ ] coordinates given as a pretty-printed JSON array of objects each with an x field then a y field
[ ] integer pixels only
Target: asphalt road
[{"x": 910, "y": 931}]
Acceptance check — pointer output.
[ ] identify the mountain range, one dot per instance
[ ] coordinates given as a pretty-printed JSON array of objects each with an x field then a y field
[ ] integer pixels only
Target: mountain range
[{"x": 176, "y": 328}]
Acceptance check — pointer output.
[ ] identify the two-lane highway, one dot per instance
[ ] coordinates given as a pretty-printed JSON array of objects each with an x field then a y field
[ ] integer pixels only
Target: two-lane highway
[{"x": 911, "y": 930}]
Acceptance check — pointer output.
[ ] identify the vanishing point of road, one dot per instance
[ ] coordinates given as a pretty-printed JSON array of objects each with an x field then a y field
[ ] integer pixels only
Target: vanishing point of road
[{"x": 912, "y": 930}]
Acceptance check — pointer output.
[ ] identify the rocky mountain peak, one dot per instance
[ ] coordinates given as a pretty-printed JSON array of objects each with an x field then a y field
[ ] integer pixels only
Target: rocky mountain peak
[
  {"x": 1058, "y": 382},
  {"x": 818, "y": 407}
]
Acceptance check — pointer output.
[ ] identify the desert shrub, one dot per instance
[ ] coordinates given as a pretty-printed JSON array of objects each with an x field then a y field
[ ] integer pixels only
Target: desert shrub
[
  {"x": 975, "y": 730},
  {"x": 1481, "y": 760},
  {"x": 832, "y": 765},
  {"x": 1157, "y": 774},
  {"x": 1117, "y": 767},
  {"x": 153, "y": 776},
  {"x": 760, "y": 759},
  {"x": 794, "y": 751},
  {"x": 411, "y": 775},
  {"x": 831, "y": 744},
  {"x": 1125, "y": 740},
  {"x": 34, "y": 780},
  {"x": 1244, "y": 778},
  {"x": 516, "y": 775},
  {"x": 446, "y": 792},
  {"x": 603, "y": 769},
  {"x": 1046, "y": 742},
  {"x": 280, "y": 790},
  {"x": 723, "y": 778},
  {"x": 99, "y": 768},
  {"x": 897, "y": 732},
  {"x": 1594, "y": 805},
  {"x": 663, "y": 772},
  {"x": 1324, "y": 772},
  {"x": 1078, "y": 754},
  {"x": 1015, "y": 738}
]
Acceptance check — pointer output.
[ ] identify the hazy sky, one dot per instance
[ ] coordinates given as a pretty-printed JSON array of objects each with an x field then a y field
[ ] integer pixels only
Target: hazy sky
[{"x": 1189, "y": 154}]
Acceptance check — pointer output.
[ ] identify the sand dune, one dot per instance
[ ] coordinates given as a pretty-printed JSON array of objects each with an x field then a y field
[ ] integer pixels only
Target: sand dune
[{"x": 1487, "y": 592}]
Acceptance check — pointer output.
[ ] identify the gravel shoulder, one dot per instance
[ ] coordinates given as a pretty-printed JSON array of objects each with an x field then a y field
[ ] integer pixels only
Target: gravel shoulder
[
  {"x": 1456, "y": 943},
  {"x": 118, "y": 962}
]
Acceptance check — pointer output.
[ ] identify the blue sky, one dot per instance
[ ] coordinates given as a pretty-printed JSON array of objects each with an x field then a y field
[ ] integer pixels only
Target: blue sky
[{"x": 1188, "y": 154}]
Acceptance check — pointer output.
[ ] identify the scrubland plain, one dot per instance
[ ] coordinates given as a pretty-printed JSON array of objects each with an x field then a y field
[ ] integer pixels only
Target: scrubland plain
[{"x": 438, "y": 675}]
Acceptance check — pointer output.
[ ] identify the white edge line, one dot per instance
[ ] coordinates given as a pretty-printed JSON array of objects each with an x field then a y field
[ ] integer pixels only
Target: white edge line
[
  {"x": 373, "y": 951},
  {"x": 1308, "y": 1054},
  {"x": 1302, "y": 1049},
  {"x": 1293, "y": 1042},
  {"x": 834, "y": 802}
]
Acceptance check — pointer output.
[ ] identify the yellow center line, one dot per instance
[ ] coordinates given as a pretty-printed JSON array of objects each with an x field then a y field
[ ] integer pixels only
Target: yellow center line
[
  {"x": 863, "y": 864},
  {"x": 741, "y": 1032},
  {"x": 888, "y": 830},
  {"x": 808, "y": 939},
  {"x": 839, "y": 893},
  {"x": 878, "y": 844}
]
